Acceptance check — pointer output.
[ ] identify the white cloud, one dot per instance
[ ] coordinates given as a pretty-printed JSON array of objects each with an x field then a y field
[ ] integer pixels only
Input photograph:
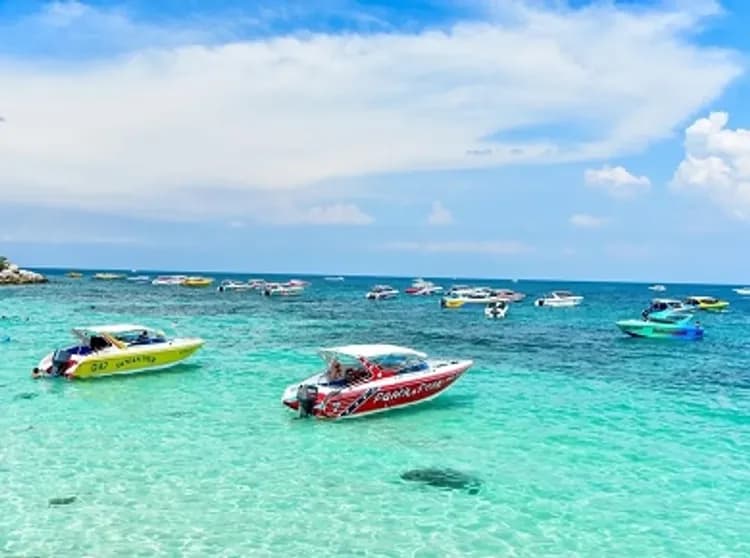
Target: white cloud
[
  {"x": 335, "y": 214},
  {"x": 717, "y": 164},
  {"x": 461, "y": 247},
  {"x": 616, "y": 181},
  {"x": 142, "y": 130},
  {"x": 585, "y": 221},
  {"x": 440, "y": 215}
]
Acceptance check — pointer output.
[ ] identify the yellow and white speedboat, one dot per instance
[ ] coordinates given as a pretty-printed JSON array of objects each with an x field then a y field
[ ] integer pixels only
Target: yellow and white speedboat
[
  {"x": 707, "y": 303},
  {"x": 116, "y": 349},
  {"x": 197, "y": 281}
]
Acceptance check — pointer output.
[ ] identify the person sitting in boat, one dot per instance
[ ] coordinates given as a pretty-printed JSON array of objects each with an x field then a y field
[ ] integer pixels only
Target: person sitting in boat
[
  {"x": 142, "y": 338},
  {"x": 336, "y": 372}
]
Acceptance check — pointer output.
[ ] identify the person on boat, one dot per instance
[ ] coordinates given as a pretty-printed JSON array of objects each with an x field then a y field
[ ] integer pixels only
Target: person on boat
[
  {"x": 142, "y": 338},
  {"x": 336, "y": 372}
]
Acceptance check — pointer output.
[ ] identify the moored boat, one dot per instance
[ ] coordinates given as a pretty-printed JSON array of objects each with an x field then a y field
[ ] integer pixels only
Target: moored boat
[
  {"x": 197, "y": 282},
  {"x": 743, "y": 291},
  {"x": 232, "y": 285},
  {"x": 282, "y": 289},
  {"x": 420, "y": 287},
  {"x": 116, "y": 349},
  {"x": 709, "y": 303},
  {"x": 139, "y": 278},
  {"x": 109, "y": 276},
  {"x": 559, "y": 299},
  {"x": 364, "y": 379},
  {"x": 666, "y": 324},
  {"x": 74, "y": 274},
  {"x": 381, "y": 292},
  {"x": 169, "y": 280},
  {"x": 658, "y": 288}
]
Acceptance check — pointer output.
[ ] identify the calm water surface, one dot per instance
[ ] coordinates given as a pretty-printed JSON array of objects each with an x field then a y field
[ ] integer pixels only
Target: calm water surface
[{"x": 587, "y": 443}]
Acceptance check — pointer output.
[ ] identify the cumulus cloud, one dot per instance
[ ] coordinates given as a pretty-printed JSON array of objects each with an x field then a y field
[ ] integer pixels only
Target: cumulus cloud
[
  {"x": 616, "y": 181},
  {"x": 462, "y": 247},
  {"x": 141, "y": 128},
  {"x": 440, "y": 215},
  {"x": 585, "y": 221},
  {"x": 717, "y": 164}
]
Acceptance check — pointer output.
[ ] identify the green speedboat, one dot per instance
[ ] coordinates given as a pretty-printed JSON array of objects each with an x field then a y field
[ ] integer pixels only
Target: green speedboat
[{"x": 663, "y": 325}]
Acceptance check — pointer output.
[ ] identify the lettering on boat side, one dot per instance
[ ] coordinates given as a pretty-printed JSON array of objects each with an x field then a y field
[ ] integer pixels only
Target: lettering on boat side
[
  {"x": 407, "y": 392},
  {"x": 136, "y": 359}
]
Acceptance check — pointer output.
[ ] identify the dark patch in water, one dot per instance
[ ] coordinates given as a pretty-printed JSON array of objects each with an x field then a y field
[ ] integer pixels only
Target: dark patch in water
[
  {"x": 444, "y": 478},
  {"x": 62, "y": 501},
  {"x": 26, "y": 395}
]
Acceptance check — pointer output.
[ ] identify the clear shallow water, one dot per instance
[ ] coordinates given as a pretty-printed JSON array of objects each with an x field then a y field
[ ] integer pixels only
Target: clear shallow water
[{"x": 587, "y": 443}]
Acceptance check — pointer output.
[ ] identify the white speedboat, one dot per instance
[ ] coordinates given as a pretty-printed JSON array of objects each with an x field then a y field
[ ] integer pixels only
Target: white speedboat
[
  {"x": 282, "y": 289},
  {"x": 477, "y": 295},
  {"x": 336, "y": 278},
  {"x": 139, "y": 278},
  {"x": 508, "y": 295},
  {"x": 381, "y": 292},
  {"x": 109, "y": 276},
  {"x": 559, "y": 299},
  {"x": 116, "y": 349},
  {"x": 365, "y": 379},
  {"x": 232, "y": 285},
  {"x": 743, "y": 291},
  {"x": 658, "y": 288},
  {"x": 420, "y": 287},
  {"x": 169, "y": 280},
  {"x": 496, "y": 310}
]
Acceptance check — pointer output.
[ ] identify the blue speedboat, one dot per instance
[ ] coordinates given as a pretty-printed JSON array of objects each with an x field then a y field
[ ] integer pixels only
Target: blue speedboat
[{"x": 663, "y": 324}]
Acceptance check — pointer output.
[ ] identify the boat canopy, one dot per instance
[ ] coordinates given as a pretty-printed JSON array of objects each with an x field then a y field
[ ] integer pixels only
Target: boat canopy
[
  {"x": 114, "y": 330},
  {"x": 369, "y": 352}
]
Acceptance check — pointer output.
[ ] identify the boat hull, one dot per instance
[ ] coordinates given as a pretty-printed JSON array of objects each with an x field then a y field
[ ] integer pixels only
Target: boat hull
[
  {"x": 380, "y": 396},
  {"x": 129, "y": 361},
  {"x": 649, "y": 330}
]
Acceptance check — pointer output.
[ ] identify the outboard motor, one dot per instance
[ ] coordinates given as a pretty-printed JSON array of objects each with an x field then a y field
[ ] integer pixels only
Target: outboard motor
[
  {"x": 59, "y": 361},
  {"x": 307, "y": 396}
]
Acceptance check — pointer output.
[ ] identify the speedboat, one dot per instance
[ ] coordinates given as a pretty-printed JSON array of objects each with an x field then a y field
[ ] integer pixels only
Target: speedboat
[
  {"x": 363, "y": 379},
  {"x": 336, "y": 278},
  {"x": 279, "y": 289},
  {"x": 658, "y": 288},
  {"x": 559, "y": 299},
  {"x": 666, "y": 324},
  {"x": 667, "y": 304},
  {"x": 744, "y": 291},
  {"x": 116, "y": 349},
  {"x": 257, "y": 284},
  {"x": 707, "y": 303},
  {"x": 420, "y": 287},
  {"x": 232, "y": 285},
  {"x": 508, "y": 295},
  {"x": 109, "y": 276},
  {"x": 381, "y": 292},
  {"x": 496, "y": 309},
  {"x": 139, "y": 278},
  {"x": 476, "y": 295},
  {"x": 74, "y": 274},
  {"x": 169, "y": 280},
  {"x": 297, "y": 283},
  {"x": 197, "y": 282}
]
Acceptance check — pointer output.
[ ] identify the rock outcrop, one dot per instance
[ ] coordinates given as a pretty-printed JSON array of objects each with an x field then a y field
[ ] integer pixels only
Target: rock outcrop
[{"x": 11, "y": 274}]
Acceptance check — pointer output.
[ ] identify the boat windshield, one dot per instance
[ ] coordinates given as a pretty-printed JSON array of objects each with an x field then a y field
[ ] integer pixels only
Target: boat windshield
[{"x": 343, "y": 369}]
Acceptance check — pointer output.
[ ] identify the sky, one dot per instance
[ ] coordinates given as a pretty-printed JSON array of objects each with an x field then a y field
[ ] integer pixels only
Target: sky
[{"x": 593, "y": 140}]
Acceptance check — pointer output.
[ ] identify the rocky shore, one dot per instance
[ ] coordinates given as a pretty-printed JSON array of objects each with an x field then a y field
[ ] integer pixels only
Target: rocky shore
[{"x": 11, "y": 274}]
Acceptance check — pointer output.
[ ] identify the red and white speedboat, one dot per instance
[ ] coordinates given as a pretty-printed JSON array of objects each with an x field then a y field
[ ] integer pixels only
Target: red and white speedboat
[
  {"x": 420, "y": 287},
  {"x": 364, "y": 379}
]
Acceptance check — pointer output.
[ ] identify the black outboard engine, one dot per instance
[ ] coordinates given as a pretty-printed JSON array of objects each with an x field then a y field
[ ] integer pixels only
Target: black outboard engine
[
  {"x": 307, "y": 396},
  {"x": 59, "y": 360}
]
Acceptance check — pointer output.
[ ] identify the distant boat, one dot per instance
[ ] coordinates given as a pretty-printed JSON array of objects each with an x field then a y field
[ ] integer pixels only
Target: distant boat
[
  {"x": 744, "y": 291},
  {"x": 658, "y": 288},
  {"x": 337, "y": 278},
  {"x": 139, "y": 278},
  {"x": 109, "y": 276},
  {"x": 74, "y": 274}
]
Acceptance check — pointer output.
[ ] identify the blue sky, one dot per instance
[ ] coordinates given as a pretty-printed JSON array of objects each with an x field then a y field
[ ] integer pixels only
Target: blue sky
[{"x": 530, "y": 139}]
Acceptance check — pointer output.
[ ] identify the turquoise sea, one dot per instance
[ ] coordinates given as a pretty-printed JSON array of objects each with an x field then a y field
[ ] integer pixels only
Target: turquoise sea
[{"x": 587, "y": 443}]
